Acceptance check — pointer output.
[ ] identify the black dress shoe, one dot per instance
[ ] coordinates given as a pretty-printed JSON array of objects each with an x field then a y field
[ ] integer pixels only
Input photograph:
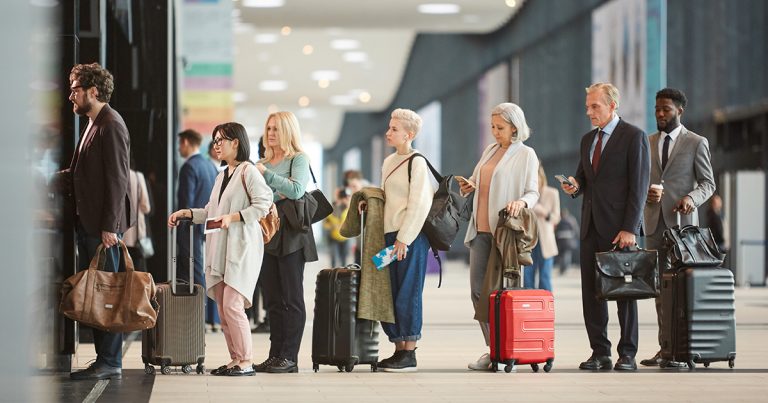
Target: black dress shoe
[
  {"x": 237, "y": 371},
  {"x": 625, "y": 363},
  {"x": 653, "y": 361},
  {"x": 220, "y": 371},
  {"x": 263, "y": 366},
  {"x": 596, "y": 362},
  {"x": 282, "y": 366},
  {"x": 97, "y": 372}
]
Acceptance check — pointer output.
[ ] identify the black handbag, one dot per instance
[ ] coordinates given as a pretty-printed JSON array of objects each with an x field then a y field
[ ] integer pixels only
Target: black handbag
[
  {"x": 324, "y": 207},
  {"x": 442, "y": 223},
  {"x": 627, "y": 274},
  {"x": 691, "y": 246}
]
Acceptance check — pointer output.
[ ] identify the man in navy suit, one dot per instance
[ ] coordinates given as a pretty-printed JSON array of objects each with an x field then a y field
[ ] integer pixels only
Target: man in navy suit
[
  {"x": 196, "y": 179},
  {"x": 97, "y": 179},
  {"x": 612, "y": 176}
]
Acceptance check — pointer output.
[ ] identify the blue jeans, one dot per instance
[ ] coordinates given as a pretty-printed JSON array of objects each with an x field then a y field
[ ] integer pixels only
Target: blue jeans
[
  {"x": 407, "y": 279},
  {"x": 544, "y": 269},
  {"x": 109, "y": 346}
]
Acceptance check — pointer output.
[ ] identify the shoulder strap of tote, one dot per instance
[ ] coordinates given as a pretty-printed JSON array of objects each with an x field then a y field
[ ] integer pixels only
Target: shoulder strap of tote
[{"x": 242, "y": 179}]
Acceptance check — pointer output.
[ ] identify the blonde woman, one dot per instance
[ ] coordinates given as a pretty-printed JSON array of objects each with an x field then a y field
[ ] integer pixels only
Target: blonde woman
[
  {"x": 407, "y": 204},
  {"x": 233, "y": 255},
  {"x": 505, "y": 178},
  {"x": 286, "y": 170},
  {"x": 547, "y": 216}
]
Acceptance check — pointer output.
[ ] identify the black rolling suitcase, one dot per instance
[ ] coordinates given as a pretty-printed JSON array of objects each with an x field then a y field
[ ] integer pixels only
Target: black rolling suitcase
[
  {"x": 178, "y": 338},
  {"x": 338, "y": 337},
  {"x": 698, "y": 321}
]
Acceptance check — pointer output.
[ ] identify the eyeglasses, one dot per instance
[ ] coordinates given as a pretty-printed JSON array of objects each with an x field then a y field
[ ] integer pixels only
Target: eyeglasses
[
  {"x": 217, "y": 141},
  {"x": 74, "y": 89}
]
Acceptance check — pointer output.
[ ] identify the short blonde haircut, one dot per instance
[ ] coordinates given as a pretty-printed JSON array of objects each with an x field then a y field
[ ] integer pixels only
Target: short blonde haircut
[
  {"x": 411, "y": 120},
  {"x": 513, "y": 115},
  {"x": 610, "y": 92},
  {"x": 288, "y": 134}
]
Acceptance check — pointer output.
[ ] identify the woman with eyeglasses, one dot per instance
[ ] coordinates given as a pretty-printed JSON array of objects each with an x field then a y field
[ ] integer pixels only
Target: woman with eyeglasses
[{"x": 233, "y": 256}]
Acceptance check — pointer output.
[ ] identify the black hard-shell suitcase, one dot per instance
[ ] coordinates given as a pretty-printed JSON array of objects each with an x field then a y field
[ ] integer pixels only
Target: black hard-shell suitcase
[
  {"x": 698, "y": 316},
  {"x": 178, "y": 338},
  {"x": 338, "y": 337}
]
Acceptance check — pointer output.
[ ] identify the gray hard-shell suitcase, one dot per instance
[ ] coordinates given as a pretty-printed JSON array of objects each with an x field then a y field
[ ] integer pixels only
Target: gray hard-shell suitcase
[
  {"x": 339, "y": 337},
  {"x": 698, "y": 316},
  {"x": 178, "y": 338}
]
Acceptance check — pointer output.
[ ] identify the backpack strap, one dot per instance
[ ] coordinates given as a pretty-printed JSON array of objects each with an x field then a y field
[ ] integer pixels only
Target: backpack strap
[{"x": 438, "y": 178}]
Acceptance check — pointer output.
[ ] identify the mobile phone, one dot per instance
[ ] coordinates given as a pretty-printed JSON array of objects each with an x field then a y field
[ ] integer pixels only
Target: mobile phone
[
  {"x": 463, "y": 179},
  {"x": 563, "y": 179},
  {"x": 212, "y": 225}
]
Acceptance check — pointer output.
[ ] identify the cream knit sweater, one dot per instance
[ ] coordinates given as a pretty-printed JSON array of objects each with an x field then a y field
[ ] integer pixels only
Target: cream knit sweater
[{"x": 406, "y": 204}]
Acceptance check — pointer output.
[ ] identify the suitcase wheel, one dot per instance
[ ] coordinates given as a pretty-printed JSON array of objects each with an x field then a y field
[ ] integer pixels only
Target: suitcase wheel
[
  {"x": 349, "y": 367},
  {"x": 706, "y": 365},
  {"x": 548, "y": 365},
  {"x": 315, "y": 366},
  {"x": 374, "y": 367},
  {"x": 186, "y": 369},
  {"x": 166, "y": 370},
  {"x": 534, "y": 367},
  {"x": 691, "y": 365},
  {"x": 731, "y": 363},
  {"x": 149, "y": 369},
  {"x": 340, "y": 367},
  {"x": 200, "y": 369},
  {"x": 494, "y": 366}
]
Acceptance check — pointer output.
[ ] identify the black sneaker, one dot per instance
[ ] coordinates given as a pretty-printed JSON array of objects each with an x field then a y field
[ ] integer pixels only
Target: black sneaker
[
  {"x": 282, "y": 366},
  {"x": 387, "y": 361},
  {"x": 405, "y": 362},
  {"x": 263, "y": 366}
]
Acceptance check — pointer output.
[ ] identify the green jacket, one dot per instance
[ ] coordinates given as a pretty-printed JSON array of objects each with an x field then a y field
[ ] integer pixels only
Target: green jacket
[{"x": 375, "y": 295}]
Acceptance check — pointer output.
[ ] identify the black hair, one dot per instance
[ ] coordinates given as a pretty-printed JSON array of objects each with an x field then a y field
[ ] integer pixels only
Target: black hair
[
  {"x": 193, "y": 137},
  {"x": 232, "y": 131},
  {"x": 677, "y": 96}
]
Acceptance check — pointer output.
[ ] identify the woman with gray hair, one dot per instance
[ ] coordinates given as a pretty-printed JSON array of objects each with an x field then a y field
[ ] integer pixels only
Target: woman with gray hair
[{"x": 505, "y": 178}]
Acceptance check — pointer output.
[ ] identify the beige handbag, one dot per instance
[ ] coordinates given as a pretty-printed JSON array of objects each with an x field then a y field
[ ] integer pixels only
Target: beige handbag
[{"x": 114, "y": 302}]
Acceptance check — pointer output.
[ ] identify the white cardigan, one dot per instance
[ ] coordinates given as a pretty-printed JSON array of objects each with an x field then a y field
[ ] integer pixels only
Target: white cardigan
[
  {"x": 516, "y": 177},
  {"x": 234, "y": 255}
]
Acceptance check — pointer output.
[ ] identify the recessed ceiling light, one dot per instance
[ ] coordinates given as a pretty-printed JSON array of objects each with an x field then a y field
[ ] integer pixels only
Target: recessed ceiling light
[
  {"x": 345, "y": 44},
  {"x": 307, "y": 50},
  {"x": 355, "y": 57},
  {"x": 263, "y": 3},
  {"x": 286, "y": 30},
  {"x": 324, "y": 83},
  {"x": 364, "y": 97},
  {"x": 329, "y": 75},
  {"x": 265, "y": 38},
  {"x": 303, "y": 101},
  {"x": 439, "y": 8},
  {"x": 273, "y": 85},
  {"x": 511, "y": 3}
]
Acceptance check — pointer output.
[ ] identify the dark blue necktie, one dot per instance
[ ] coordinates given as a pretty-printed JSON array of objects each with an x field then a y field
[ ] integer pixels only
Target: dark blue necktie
[{"x": 665, "y": 152}]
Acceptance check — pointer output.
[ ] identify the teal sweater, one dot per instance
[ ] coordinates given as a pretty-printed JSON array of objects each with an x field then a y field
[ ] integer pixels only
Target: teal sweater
[{"x": 277, "y": 178}]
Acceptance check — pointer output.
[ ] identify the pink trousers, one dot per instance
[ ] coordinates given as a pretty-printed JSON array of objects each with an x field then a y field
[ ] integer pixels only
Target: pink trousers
[{"x": 234, "y": 322}]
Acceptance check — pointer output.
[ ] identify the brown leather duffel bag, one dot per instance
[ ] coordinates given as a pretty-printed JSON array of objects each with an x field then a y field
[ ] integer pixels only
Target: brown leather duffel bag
[{"x": 114, "y": 302}]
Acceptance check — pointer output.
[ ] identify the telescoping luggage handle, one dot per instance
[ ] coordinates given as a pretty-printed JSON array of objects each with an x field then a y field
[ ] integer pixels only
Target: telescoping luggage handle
[{"x": 173, "y": 256}]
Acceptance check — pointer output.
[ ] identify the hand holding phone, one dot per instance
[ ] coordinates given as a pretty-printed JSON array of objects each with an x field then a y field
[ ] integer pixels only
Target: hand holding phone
[
  {"x": 464, "y": 182},
  {"x": 563, "y": 179}
]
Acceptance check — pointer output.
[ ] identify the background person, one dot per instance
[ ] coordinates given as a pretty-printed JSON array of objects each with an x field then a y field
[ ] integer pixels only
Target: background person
[
  {"x": 233, "y": 255},
  {"x": 139, "y": 199},
  {"x": 612, "y": 176},
  {"x": 547, "y": 216},
  {"x": 506, "y": 177}
]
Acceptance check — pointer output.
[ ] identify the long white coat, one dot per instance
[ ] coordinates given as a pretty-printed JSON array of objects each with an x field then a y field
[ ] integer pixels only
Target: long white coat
[
  {"x": 234, "y": 255},
  {"x": 516, "y": 177}
]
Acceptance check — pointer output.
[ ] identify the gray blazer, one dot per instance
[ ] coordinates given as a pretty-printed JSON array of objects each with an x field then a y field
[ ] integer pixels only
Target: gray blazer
[{"x": 688, "y": 172}]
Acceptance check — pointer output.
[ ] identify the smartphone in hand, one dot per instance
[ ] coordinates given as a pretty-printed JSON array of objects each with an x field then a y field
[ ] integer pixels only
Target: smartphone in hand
[
  {"x": 462, "y": 179},
  {"x": 563, "y": 179}
]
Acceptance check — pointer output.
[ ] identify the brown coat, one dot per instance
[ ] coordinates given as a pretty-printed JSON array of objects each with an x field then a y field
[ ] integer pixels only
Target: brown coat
[
  {"x": 515, "y": 238},
  {"x": 375, "y": 296}
]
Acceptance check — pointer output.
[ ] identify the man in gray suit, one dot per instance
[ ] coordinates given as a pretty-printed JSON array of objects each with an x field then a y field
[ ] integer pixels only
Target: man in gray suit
[{"x": 680, "y": 162}]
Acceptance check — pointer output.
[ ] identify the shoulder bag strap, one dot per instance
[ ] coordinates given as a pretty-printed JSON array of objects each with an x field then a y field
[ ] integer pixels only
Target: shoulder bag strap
[
  {"x": 436, "y": 174},
  {"x": 393, "y": 171},
  {"x": 242, "y": 179}
]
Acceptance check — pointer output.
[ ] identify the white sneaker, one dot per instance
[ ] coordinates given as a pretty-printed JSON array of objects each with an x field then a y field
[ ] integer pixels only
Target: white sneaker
[{"x": 482, "y": 364}]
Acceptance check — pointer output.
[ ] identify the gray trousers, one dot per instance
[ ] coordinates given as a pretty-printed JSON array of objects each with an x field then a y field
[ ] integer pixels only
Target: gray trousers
[
  {"x": 479, "y": 252},
  {"x": 656, "y": 241}
]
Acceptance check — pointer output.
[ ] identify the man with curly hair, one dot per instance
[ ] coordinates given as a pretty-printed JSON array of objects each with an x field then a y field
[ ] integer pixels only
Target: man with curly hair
[{"x": 97, "y": 180}]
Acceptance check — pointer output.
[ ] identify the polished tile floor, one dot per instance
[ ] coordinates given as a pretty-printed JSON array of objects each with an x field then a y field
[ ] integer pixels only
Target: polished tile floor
[{"x": 450, "y": 340}]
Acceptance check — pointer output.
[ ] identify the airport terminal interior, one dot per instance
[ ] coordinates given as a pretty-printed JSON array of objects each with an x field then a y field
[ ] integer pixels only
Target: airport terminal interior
[{"x": 340, "y": 68}]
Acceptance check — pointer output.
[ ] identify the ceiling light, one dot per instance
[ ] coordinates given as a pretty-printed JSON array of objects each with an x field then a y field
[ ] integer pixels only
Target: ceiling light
[
  {"x": 303, "y": 101},
  {"x": 355, "y": 57},
  {"x": 286, "y": 30},
  {"x": 308, "y": 49},
  {"x": 511, "y": 3},
  {"x": 263, "y": 3},
  {"x": 273, "y": 85},
  {"x": 329, "y": 75},
  {"x": 439, "y": 8},
  {"x": 265, "y": 38},
  {"x": 364, "y": 97},
  {"x": 345, "y": 44},
  {"x": 324, "y": 83},
  {"x": 342, "y": 100}
]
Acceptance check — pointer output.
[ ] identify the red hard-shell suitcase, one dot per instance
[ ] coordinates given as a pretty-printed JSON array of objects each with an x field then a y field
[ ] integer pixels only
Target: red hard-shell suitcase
[{"x": 522, "y": 326}]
